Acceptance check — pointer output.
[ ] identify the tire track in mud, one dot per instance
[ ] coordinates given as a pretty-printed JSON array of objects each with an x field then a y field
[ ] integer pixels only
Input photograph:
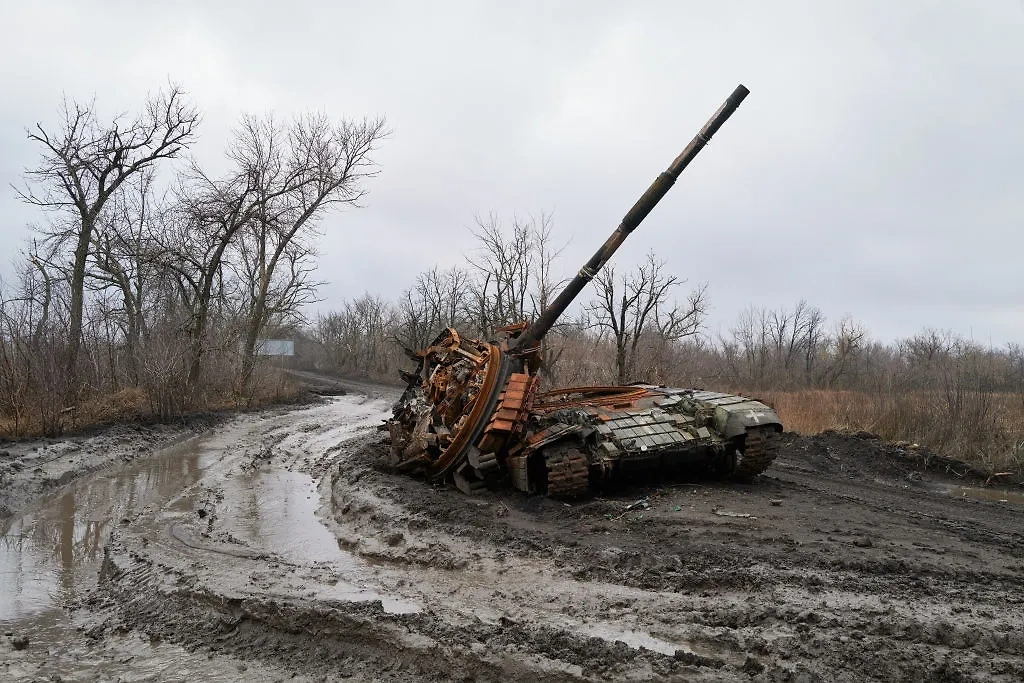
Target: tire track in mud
[
  {"x": 159, "y": 585},
  {"x": 827, "y": 603},
  {"x": 812, "y": 572}
]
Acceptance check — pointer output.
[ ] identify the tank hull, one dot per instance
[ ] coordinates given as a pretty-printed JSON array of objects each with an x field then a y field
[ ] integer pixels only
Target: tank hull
[
  {"x": 472, "y": 414},
  {"x": 621, "y": 432}
]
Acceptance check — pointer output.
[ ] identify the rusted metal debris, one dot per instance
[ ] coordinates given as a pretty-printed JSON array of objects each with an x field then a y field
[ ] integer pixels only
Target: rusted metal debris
[{"x": 473, "y": 413}]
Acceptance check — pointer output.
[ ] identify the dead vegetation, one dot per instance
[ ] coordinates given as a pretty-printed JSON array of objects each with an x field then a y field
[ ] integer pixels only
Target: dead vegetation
[
  {"x": 151, "y": 282},
  {"x": 982, "y": 428}
]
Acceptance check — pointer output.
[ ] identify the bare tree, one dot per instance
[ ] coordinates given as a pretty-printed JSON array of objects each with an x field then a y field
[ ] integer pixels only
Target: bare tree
[
  {"x": 84, "y": 162},
  {"x": 194, "y": 241},
  {"x": 124, "y": 258},
  {"x": 844, "y": 348},
  {"x": 272, "y": 295},
  {"x": 788, "y": 332},
  {"x": 779, "y": 347},
  {"x": 641, "y": 302},
  {"x": 131, "y": 290},
  {"x": 502, "y": 265},
  {"x": 358, "y": 337},
  {"x": 544, "y": 289},
  {"x": 39, "y": 286},
  {"x": 814, "y": 340},
  {"x": 542, "y": 257},
  {"x": 750, "y": 349},
  {"x": 298, "y": 172},
  {"x": 434, "y": 302},
  {"x": 927, "y": 346},
  {"x": 512, "y": 276}
]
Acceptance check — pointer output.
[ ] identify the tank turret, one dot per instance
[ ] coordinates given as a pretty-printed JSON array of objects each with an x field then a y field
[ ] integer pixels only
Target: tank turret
[{"x": 472, "y": 411}]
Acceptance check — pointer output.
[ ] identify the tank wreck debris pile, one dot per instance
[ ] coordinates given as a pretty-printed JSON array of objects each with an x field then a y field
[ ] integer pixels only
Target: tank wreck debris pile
[{"x": 473, "y": 413}]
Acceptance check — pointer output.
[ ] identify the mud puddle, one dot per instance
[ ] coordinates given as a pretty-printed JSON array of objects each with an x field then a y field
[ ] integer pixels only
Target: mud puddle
[
  {"x": 270, "y": 515},
  {"x": 50, "y": 554},
  {"x": 254, "y": 503},
  {"x": 986, "y": 494},
  {"x": 276, "y": 511},
  {"x": 49, "y": 559},
  {"x": 634, "y": 639}
]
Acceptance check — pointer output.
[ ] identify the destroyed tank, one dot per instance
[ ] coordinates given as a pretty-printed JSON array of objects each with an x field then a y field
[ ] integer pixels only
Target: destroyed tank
[{"x": 472, "y": 412}]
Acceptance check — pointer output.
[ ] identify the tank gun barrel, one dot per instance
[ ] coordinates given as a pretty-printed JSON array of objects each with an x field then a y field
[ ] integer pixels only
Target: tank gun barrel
[{"x": 532, "y": 335}]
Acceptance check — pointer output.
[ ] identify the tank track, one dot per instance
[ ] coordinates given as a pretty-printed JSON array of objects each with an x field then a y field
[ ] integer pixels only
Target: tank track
[
  {"x": 760, "y": 449},
  {"x": 568, "y": 472}
]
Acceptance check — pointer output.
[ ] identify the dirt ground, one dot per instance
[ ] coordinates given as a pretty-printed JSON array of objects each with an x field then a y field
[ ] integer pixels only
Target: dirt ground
[{"x": 277, "y": 546}]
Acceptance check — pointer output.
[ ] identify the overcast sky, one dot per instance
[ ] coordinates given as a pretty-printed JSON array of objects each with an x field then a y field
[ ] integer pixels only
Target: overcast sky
[{"x": 876, "y": 169}]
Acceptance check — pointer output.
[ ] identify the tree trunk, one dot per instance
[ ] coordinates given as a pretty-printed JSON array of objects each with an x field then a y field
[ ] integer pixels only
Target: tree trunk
[
  {"x": 620, "y": 362},
  {"x": 203, "y": 309},
  {"x": 249, "y": 350},
  {"x": 196, "y": 350},
  {"x": 132, "y": 340},
  {"x": 78, "y": 302},
  {"x": 256, "y": 324}
]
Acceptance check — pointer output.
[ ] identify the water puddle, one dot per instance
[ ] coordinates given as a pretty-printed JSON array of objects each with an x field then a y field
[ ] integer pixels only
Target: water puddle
[
  {"x": 275, "y": 510},
  {"x": 51, "y": 554},
  {"x": 986, "y": 494},
  {"x": 635, "y": 639}
]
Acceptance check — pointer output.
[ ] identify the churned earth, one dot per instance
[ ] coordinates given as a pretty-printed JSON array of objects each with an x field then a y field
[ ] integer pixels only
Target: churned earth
[{"x": 277, "y": 545}]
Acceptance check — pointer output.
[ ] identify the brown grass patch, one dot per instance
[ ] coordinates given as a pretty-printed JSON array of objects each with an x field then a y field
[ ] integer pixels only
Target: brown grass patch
[
  {"x": 270, "y": 386},
  {"x": 985, "y": 429}
]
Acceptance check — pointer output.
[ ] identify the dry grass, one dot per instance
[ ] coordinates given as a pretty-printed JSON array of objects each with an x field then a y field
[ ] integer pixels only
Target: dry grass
[
  {"x": 985, "y": 429},
  {"x": 270, "y": 387},
  {"x": 813, "y": 411}
]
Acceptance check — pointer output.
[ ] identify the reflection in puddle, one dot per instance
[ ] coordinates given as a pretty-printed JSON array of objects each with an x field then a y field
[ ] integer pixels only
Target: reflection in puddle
[
  {"x": 51, "y": 554},
  {"x": 275, "y": 511},
  {"x": 991, "y": 495}
]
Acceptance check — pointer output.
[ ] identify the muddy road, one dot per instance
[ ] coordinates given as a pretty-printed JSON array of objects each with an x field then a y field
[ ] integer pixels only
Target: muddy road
[{"x": 276, "y": 546}]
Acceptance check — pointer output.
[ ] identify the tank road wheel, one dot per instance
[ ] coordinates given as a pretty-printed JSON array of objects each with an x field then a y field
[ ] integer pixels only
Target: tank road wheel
[
  {"x": 568, "y": 475},
  {"x": 759, "y": 450},
  {"x": 724, "y": 465}
]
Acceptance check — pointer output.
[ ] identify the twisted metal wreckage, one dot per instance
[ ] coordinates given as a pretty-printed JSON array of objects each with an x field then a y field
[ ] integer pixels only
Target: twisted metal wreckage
[{"x": 473, "y": 412}]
